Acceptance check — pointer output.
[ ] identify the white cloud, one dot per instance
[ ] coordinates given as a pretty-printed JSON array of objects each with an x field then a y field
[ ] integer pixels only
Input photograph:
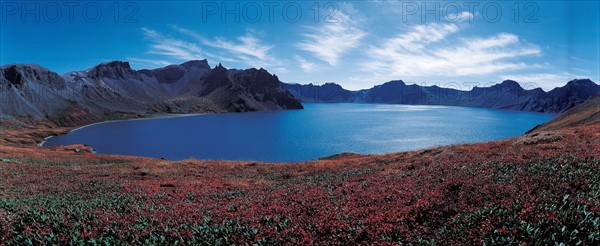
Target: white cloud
[
  {"x": 171, "y": 47},
  {"x": 464, "y": 16},
  {"x": 331, "y": 40},
  {"x": 280, "y": 70},
  {"x": 148, "y": 63},
  {"x": 247, "y": 48},
  {"x": 306, "y": 65},
  {"x": 418, "y": 39},
  {"x": 427, "y": 51},
  {"x": 248, "y": 45}
]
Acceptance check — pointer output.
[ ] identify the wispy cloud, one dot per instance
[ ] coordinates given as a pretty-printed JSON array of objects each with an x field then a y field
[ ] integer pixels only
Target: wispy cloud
[
  {"x": 306, "y": 65},
  {"x": 172, "y": 48},
  {"x": 189, "y": 45},
  {"x": 247, "y": 48},
  {"x": 248, "y": 45},
  {"x": 148, "y": 63},
  {"x": 426, "y": 51},
  {"x": 464, "y": 16},
  {"x": 329, "y": 41}
]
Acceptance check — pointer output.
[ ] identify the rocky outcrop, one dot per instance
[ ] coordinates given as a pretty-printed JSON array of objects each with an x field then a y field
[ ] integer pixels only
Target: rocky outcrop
[
  {"x": 328, "y": 92},
  {"x": 506, "y": 95},
  {"x": 115, "y": 90},
  {"x": 31, "y": 90},
  {"x": 587, "y": 112}
]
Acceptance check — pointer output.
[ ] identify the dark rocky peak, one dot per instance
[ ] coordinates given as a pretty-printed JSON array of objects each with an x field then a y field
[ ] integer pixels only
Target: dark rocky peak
[
  {"x": 250, "y": 70},
  {"x": 256, "y": 77},
  {"x": 332, "y": 85},
  {"x": 538, "y": 90},
  {"x": 583, "y": 88},
  {"x": 173, "y": 73},
  {"x": 169, "y": 74},
  {"x": 20, "y": 74},
  {"x": 113, "y": 70},
  {"x": 579, "y": 84},
  {"x": 11, "y": 75},
  {"x": 199, "y": 64},
  {"x": 217, "y": 77},
  {"x": 264, "y": 71},
  {"x": 582, "y": 82},
  {"x": 117, "y": 64},
  {"x": 270, "y": 79},
  {"x": 220, "y": 67},
  {"x": 395, "y": 82},
  {"x": 510, "y": 84},
  {"x": 219, "y": 70},
  {"x": 392, "y": 84}
]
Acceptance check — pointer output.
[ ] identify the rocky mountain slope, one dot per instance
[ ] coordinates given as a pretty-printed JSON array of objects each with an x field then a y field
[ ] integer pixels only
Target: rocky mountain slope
[
  {"x": 587, "y": 113},
  {"x": 115, "y": 90},
  {"x": 328, "y": 92},
  {"x": 506, "y": 95}
]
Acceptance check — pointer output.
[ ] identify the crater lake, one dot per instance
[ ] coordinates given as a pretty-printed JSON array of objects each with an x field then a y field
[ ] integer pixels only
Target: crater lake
[{"x": 319, "y": 130}]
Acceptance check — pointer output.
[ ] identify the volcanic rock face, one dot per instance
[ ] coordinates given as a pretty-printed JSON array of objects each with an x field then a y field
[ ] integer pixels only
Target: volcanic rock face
[
  {"x": 112, "y": 89},
  {"x": 328, "y": 92},
  {"x": 246, "y": 90},
  {"x": 506, "y": 95},
  {"x": 587, "y": 112},
  {"x": 31, "y": 90}
]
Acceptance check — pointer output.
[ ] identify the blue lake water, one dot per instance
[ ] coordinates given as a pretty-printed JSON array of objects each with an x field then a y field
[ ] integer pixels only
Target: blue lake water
[{"x": 298, "y": 135}]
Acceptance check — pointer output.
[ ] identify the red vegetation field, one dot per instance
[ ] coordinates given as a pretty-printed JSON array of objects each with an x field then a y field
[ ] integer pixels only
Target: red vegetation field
[{"x": 538, "y": 189}]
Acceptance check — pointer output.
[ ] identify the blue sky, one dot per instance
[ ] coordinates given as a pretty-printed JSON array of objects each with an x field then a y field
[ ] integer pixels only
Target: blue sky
[{"x": 357, "y": 44}]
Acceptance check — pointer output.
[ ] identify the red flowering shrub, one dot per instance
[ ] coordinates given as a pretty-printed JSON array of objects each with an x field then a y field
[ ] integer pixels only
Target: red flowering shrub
[{"x": 504, "y": 192}]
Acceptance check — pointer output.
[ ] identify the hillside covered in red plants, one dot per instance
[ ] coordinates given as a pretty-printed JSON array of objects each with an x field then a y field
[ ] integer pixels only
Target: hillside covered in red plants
[{"x": 538, "y": 189}]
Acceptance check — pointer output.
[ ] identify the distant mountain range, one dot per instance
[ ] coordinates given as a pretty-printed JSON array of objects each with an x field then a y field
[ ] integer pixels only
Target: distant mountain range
[
  {"x": 506, "y": 95},
  {"x": 115, "y": 90}
]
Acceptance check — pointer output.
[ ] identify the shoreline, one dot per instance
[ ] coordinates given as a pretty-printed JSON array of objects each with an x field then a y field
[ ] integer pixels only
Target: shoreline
[
  {"x": 41, "y": 144},
  {"x": 168, "y": 116},
  {"x": 150, "y": 117}
]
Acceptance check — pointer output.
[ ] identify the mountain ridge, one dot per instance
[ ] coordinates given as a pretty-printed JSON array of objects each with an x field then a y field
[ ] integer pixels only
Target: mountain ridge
[
  {"x": 115, "y": 90},
  {"x": 506, "y": 95}
]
